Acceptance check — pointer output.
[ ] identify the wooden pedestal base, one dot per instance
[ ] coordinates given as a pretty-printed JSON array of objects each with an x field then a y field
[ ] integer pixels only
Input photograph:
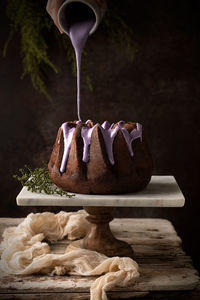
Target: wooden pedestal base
[{"x": 99, "y": 237}]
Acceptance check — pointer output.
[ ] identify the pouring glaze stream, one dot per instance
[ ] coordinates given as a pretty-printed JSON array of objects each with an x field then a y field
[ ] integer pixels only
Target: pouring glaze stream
[{"x": 78, "y": 20}]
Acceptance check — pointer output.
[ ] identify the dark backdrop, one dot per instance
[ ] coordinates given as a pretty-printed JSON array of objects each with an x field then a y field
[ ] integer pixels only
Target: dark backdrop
[{"x": 160, "y": 89}]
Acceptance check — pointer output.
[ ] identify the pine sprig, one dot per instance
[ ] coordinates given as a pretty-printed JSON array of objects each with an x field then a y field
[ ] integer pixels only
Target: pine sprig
[
  {"x": 30, "y": 20},
  {"x": 39, "y": 181}
]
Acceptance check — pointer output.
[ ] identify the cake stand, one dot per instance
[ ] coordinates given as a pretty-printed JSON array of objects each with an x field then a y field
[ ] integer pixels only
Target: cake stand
[{"x": 162, "y": 191}]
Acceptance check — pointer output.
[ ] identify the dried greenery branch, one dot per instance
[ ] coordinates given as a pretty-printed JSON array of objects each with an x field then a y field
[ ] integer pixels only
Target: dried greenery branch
[
  {"x": 38, "y": 181},
  {"x": 30, "y": 19}
]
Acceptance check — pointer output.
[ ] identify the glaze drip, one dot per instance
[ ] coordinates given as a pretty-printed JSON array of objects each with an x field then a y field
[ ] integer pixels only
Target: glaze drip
[
  {"x": 109, "y": 133},
  {"x": 86, "y": 134},
  {"x": 67, "y": 135},
  {"x": 133, "y": 135}
]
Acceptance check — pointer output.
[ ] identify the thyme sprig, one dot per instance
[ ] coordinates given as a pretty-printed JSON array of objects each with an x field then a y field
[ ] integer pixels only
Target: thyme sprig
[{"x": 38, "y": 180}]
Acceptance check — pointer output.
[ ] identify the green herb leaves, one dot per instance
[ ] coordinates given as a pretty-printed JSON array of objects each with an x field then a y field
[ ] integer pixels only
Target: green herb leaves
[
  {"x": 38, "y": 181},
  {"x": 30, "y": 20}
]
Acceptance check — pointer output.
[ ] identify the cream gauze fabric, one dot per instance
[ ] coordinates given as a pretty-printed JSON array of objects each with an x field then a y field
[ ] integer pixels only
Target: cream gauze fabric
[{"x": 23, "y": 252}]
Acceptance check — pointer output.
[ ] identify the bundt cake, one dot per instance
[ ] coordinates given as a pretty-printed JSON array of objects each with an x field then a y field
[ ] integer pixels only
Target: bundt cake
[{"x": 100, "y": 159}]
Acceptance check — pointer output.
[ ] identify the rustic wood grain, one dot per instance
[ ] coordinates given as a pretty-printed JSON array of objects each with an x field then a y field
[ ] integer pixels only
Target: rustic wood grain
[
  {"x": 164, "y": 267},
  {"x": 70, "y": 296}
]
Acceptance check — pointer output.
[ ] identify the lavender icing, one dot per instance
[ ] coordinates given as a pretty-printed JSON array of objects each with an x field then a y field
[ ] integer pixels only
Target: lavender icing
[
  {"x": 109, "y": 133},
  {"x": 79, "y": 33},
  {"x": 81, "y": 21},
  {"x": 67, "y": 135}
]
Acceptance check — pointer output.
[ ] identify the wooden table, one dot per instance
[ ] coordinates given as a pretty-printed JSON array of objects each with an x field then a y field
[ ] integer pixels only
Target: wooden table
[{"x": 166, "y": 271}]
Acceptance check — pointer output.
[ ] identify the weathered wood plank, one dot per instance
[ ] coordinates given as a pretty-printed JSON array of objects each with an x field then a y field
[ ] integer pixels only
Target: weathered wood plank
[
  {"x": 176, "y": 262},
  {"x": 46, "y": 296},
  {"x": 163, "y": 265},
  {"x": 141, "y": 251},
  {"x": 70, "y": 296},
  {"x": 152, "y": 278},
  {"x": 143, "y": 224},
  {"x": 195, "y": 295},
  {"x": 10, "y": 221}
]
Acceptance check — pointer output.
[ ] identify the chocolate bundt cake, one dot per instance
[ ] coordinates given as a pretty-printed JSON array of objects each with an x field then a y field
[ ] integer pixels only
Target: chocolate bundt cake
[{"x": 100, "y": 159}]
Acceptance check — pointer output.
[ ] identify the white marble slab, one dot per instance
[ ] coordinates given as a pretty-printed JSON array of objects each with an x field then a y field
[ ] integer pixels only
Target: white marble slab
[{"x": 162, "y": 191}]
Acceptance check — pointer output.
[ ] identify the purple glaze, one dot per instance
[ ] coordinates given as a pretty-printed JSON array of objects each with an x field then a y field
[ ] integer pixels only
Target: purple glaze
[
  {"x": 67, "y": 135},
  {"x": 79, "y": 32},
  {"x": 133, "y": 135},
  {"x": 86, "y": 134},
  {"x": 108, "y": 133}
]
